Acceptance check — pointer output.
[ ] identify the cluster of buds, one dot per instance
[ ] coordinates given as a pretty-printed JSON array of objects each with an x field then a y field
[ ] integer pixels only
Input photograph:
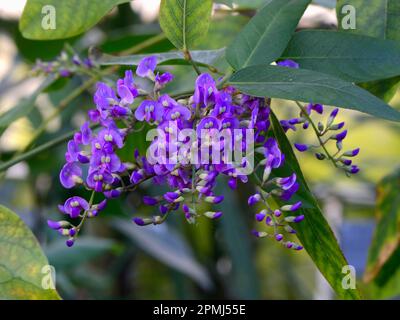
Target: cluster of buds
[{"x": 64, "y": 65}]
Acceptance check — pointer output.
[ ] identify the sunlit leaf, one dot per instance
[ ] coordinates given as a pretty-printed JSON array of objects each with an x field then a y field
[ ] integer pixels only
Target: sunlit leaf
[
  {"x": 185, "y": 22},
  {"x": 23, "y": 266},
  {"x": 71, "y": 17}
]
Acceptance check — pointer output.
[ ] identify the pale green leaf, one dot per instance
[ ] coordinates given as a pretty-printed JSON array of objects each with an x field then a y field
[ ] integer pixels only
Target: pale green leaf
[{"x": 22, "y": 262}]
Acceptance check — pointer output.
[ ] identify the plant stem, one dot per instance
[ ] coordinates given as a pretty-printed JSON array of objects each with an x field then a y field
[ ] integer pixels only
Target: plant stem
[
  {"x": 188, "y": 57},
  {"x": 317, "y": 133}
]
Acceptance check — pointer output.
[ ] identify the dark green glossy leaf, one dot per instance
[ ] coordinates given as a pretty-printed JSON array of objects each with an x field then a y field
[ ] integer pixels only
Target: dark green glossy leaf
[
  {"x": 387, "y": 234},
  {"x": 23, "y": 266},
  {"x": 314, "y": 232},
  {"x": 72, "y": 17},
  {"x": 267, "y": 34},
  {"x": 309, "y": 86},
  {"x": 352, "y": 57},
  {"x": 185, "y": 22}
]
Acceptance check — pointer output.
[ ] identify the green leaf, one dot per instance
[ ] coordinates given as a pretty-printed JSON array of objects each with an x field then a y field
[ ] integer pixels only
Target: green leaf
[
  {"x": 378, "y": 19},
  {"x": 243, "y": 279},
  {"x": 166, "y": 58},
  {"x": 21, "y": 261},
  {"x": 387, "y": 234},
  {"x": 185, "y": 22},
  {"x": 383, "y": 89},
  {"x": 72, "y": 17},
  {"x": 314, "y": 232},
  {"x": 352, "y": 57},
  {"x": 244, "y": 4},
  {"x": 25, "y": 106},
  {"x": 309, "y": 86},
  {"x": 267, "y": 34}
]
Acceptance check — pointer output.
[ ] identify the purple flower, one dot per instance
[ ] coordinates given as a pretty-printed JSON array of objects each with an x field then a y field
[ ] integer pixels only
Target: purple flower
[
  {"x": 178, "y": 113},
  {"x": 287, "y": 194},
  {"x": 128, "y": 82},
  {"x": 149, "y": 111},
  {"x": 207, "y": 124},
  {"x": 86, "y": 133},
  {"x": 98, "y": 178},
  {"x": 104, "y": 98},
  {"x": 70, "y": 175},
  {"x": 110, "y": 136},
  {"x": 288, "y": 63},
  {"x": 146, "y": 67},
  {"x": 205, "y": 90},
  {"x": 273, "y": 154},
  {"x": 286, "y": 183},
  {"x": 163, "y": 79},
  {"x": 75, "y": 205}
]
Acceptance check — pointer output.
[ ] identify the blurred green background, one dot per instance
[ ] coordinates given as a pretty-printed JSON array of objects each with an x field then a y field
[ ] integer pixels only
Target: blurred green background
[{"x": 114, "y": 259}]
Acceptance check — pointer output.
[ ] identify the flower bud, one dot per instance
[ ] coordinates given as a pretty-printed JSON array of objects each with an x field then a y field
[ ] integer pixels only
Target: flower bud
[
  {"x": 142, "y": 221},
  {"x": 261, "y": 215},
  {"x": 337, "y": 126},
  {"x": 278, "y": 237},
  {"x": 254, "y": 199},
  {"x": 58, "y": 224},
  {"x": 289, "y": 229},
  {"x": 70, "y": 242},
  {"x": 351, "y": 153},
  {"x": 213, "y": 215},
  {"x": 320, "y": 156},
  {"x": 214, "y": 199},
  {"x": 292, "y": 207},
  {"x": 259, "y": 234},
  {"x": 301, "y": 147},
  {"x": 277, "y": 213}
]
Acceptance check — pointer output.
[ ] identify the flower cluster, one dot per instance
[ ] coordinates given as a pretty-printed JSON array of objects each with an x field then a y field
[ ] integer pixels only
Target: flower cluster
[
  {"x": 64, "y": 66},
  {"x": 325, "y": 132},
  {"x": 212, "y": 109}
]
